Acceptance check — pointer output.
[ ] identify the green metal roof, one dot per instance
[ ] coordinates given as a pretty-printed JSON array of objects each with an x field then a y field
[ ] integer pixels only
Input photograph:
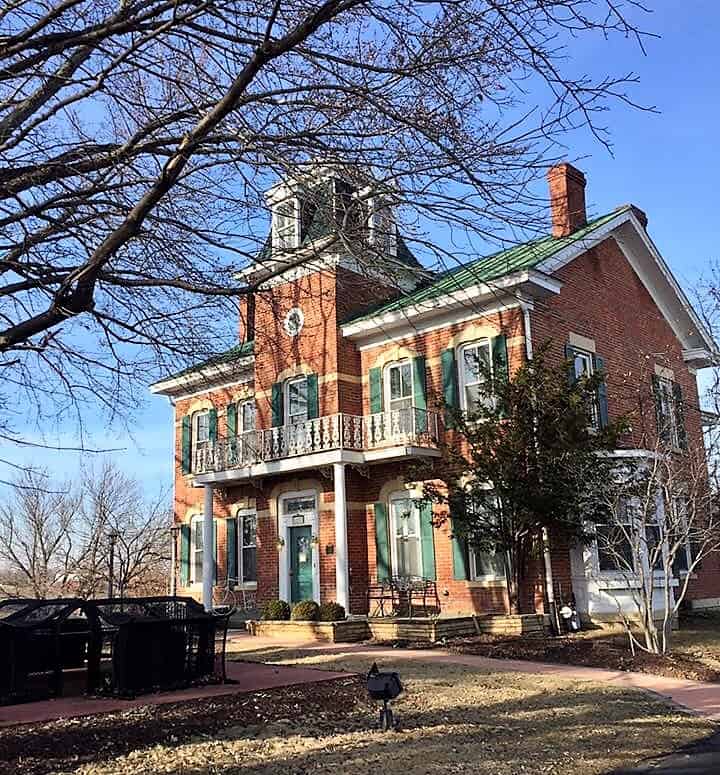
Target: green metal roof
[
  {"x": 525, "y": 256},
  {"x": 234, "y": 353}
]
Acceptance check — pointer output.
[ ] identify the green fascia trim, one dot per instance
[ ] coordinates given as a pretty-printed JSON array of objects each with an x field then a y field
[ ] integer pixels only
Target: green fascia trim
[
  {"x": 234, "y": 353},
  {"x": 525, "y": 256}
]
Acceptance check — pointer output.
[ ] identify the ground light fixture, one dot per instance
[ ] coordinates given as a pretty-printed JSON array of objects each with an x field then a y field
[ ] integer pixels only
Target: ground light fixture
[{"x": 385, "y": 686}]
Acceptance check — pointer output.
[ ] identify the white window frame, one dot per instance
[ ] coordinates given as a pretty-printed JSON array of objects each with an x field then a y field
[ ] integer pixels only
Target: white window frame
[
  {"x": 286, "y": 401},
  {"x": 416, "y": 517},
  {"x": 195, "y": 521},
  {"x": 241, "y": 516},
  {"x": 387, "y": 386},
  {"x": 286, "y": 209},
  {"x": 667, "y": 392},
  {"x": 460, "y": 358},
  {"x": 197, "y": 443},
  {"x": 241, "y": 415},
  {"x": 589, "y": 359},
  {"x": 618, "y": 572}
]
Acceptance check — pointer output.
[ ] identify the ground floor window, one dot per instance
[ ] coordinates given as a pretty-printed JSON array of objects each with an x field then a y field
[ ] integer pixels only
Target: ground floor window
[
  {"x": 247, "y": 523},
  {"x": 487, "y": 565},
  {"x": 196, "y": 549},
  {"x": 405, "y": 532}
]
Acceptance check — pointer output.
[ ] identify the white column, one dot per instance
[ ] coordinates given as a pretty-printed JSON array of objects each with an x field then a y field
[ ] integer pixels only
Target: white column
[
  {"x": 208, "y": 546},
  {"x": 342, "y": 583}
]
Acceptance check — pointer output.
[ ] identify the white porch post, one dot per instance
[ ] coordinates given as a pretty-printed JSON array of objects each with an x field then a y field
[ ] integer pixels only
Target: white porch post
[
  {"x": 342, "y": 583},
  {"x": 208, "y": 546}
]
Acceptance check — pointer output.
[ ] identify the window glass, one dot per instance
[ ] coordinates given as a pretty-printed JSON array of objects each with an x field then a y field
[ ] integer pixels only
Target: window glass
[
  {"x": 614, "y": 545},
  {"x": 298, "y": 505},
  {"x": 248, "y": 548},
  {"x": 405, "y": 523},
  {"x": 297, "y": 400},
  {"x": 247, "y": 413},
  {"x": 197, "y": 550},
  {"x": 475, "y": 364},
  {"x": 202, "y": 427},
  {"x": 583, "y": 367},
  {"x": 683, "y": 556},
  {"x": 489, "y": 563},
  {"x": 285, "y": 224},
  {"x": 667, "y": 413}
]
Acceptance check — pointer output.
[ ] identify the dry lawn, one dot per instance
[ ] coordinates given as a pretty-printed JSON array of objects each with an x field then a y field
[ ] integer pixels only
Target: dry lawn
[{"x": 453, "y": 719}]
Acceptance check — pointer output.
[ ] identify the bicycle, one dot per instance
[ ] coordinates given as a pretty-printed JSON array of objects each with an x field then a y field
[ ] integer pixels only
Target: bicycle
[{"x": 236, "y": 597}]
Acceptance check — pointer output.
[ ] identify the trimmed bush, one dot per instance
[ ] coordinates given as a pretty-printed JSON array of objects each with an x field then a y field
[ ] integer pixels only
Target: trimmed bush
[
  {"x": 276, "y": 610},
  {"x": 305, "y": 611},
  {"x": 332, "y": 612}
]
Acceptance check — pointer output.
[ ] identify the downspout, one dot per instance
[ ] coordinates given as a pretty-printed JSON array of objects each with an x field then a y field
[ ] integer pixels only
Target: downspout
[
  {"x": 173, "y": 532},
  {"x": 549, "y": 586}
]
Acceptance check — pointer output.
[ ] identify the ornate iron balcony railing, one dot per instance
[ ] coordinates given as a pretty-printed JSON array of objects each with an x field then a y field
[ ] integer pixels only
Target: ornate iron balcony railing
[{"x": 411, "y": 426}]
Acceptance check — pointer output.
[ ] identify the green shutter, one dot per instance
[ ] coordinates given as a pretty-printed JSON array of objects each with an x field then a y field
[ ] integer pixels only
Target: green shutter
[
  {"x": 186, "y": 444},
  {"x": 500, "y": 358},
  {"x": 376, "y": 403},
  {"x": 459, "y": 544},
  {"x": 450, "y": 384},
  {"x": 679, "y": 409},
  {"x": 420, "y": 393},
  {"x": 460, "y": 558},
  {"x": 231, "y": 415},
  {"x": 212, "y": 424},
  {"x": 603, "y": 415},
  {"x": 231, "y": 547},
  {"x": 277, "y": 405},
  {"x": 313, "y": 407},
  {"x": 184, "y": 555},
  {"x": 427, "y": 541},
  {"x": 382, "y": 543}
]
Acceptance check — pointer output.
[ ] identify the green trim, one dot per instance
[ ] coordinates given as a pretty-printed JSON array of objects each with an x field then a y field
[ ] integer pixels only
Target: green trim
[
  {"x": 231, "y": 547},
  {"x": 382, "y": 543},
  {"x": 276, "y": 405},
  {"x": 427, "y": 541},
  {"x": 231, "y": 420},
  {"x": 184, "y": 555},
  {"x": 313, "y": 405},
  {"x": 212, "y": 424},
  {"x": 186, "y": 444},
  {"x": 420, "y": 392},
  {"x": 375, "y": 380},
  {"x": 242, "y": 350},
  {"x": 450, "y": 384},
  {"x": 602, "y": 399},
  {"x": 525, "y": 256}
]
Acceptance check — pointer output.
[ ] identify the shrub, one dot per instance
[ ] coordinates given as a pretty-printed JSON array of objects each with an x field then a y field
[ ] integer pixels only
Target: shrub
[
  {"x": 305, "y": 611},
  {"x": 331, "y": 612},
  {"x": 276, "y": 610}
]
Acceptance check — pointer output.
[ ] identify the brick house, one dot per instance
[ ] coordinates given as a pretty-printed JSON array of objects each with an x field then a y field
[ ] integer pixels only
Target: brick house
[{"x": 291, "y": 447}]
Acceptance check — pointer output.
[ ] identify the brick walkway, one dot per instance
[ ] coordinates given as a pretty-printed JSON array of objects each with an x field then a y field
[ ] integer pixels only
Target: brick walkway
[
  {"x": 696, "y": 696},
  {"x": 248, "y": 677}
]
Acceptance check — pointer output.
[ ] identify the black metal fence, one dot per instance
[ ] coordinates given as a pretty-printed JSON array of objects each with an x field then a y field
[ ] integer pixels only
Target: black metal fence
[{"x": 121, "y": 647}]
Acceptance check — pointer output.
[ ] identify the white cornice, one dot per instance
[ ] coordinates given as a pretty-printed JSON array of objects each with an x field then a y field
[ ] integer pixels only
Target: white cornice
[
  {"x": 507, "y": 290},
  {"x": 235, "y": 372}
]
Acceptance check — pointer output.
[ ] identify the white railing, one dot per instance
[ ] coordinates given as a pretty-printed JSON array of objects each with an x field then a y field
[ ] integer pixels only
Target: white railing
[{"x": 417, "y": 427}]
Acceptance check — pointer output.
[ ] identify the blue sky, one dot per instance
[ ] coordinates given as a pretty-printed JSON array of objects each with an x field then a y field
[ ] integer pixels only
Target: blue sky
[{"x": 667, "y": 163}]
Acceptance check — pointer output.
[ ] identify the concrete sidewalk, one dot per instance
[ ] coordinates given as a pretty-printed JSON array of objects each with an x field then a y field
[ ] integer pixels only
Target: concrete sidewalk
[{"x": 698, "y": 697}]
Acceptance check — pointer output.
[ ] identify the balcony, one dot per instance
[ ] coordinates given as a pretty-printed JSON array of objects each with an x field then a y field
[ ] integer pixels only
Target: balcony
[{"x": 402, "y": 428}]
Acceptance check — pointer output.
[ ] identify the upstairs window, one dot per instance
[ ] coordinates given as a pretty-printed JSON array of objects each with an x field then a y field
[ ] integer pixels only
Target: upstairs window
[
  {"x": 382, "y": 228},
  {"x": 201, "y": 428},
  {"x": 296, "y": 400},
  {"x": 399, "y": 386},
  {"x": 247, "y": 416},
  {"x": 669, "y": 412},
  {"x": 583, "y": 365},
  {"x": 475, "y": 366},
  {"x": 285, "y": 225}
]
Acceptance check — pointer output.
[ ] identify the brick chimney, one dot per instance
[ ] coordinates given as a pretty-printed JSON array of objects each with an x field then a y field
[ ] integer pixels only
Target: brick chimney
[{"x": 567, "y": 199}]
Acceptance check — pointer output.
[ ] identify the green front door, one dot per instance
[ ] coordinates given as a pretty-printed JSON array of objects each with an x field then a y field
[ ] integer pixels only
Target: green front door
[{"x": 301, "y": 576}]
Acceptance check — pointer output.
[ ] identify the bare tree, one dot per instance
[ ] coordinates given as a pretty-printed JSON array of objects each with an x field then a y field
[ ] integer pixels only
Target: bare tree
[
  {"x": 137, "y": 137},
  {"x": 55, "y": 539}
]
